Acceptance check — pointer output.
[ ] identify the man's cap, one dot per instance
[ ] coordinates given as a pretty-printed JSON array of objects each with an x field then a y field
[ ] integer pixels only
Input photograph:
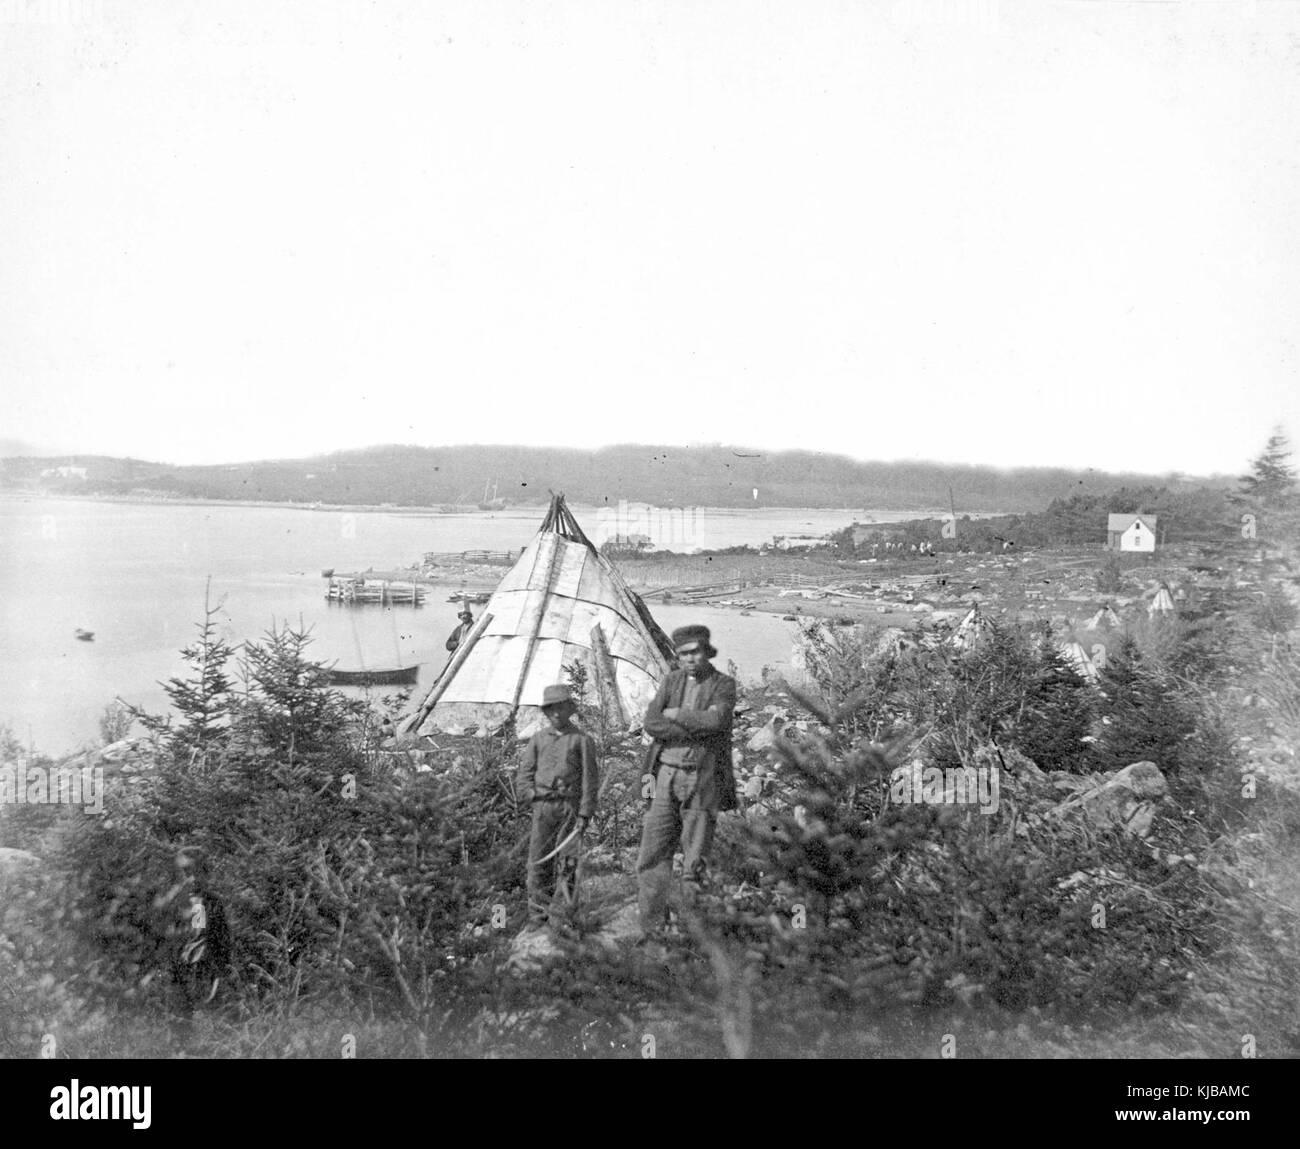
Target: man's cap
[
  {"x": 556, "y": 694},
  {"x": 686, "y": 636}
]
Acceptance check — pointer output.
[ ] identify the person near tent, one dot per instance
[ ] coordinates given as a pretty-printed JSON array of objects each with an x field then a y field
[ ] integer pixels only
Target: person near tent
[
  {"x": 559, "y": 778},
  {"x": 457, "y": 636},
  {"x": 690, "y": 719}
]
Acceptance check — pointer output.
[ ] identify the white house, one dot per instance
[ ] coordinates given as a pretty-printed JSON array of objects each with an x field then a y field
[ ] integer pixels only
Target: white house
[{"x": 1131, "y": 533}]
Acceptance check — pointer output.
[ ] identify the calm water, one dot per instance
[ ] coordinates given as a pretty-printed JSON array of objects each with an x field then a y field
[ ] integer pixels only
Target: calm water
[{"x": 135, "y": 575}]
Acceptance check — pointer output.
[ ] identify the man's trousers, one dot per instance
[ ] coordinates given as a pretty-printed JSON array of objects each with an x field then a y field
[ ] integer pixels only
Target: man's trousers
[
  {"x": 553, "y": 820},
  {"x": 685, "y": 810}
]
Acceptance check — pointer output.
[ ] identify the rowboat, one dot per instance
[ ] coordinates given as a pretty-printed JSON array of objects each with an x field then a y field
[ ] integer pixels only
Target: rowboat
[
  {"x": 401, "y": 676},
  {"x": 85, "y": 635}
]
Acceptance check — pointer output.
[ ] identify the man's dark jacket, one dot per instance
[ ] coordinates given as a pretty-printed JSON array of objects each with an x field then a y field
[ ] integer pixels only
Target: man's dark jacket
[{"x": 705, "y": 728}]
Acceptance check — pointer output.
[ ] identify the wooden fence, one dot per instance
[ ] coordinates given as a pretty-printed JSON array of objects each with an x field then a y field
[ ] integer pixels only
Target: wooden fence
[{"x": 494, "y": 558}]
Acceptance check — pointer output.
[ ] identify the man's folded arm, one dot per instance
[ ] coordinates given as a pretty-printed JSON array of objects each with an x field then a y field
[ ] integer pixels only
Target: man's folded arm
[
  {"x": 655, "y": 724},
  {"x": 716, "y": 718}
]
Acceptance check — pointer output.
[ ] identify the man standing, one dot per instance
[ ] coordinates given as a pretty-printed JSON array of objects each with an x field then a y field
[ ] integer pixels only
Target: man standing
[
  {"x": 690, "y": 720},
  {"x": 457, "y": 636}
]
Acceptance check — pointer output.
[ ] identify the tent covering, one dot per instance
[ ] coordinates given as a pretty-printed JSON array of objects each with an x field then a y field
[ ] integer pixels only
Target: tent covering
[
  {"x": 561, "y": 604},
  {"x": 1104, "y": 619},
  {"x": 1077, "y": 657},
  {"x": 1163, "y": 603},
  {"x": 971, "y": 629}
]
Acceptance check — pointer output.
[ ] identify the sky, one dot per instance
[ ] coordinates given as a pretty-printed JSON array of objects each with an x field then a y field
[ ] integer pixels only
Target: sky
[{"x": 973, "y": 231}]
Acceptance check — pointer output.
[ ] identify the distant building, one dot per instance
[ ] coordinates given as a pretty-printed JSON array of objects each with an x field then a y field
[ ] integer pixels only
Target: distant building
[
  {"x": 64, "y": 473},
  {"x": 1131, "y": 533},
  {"x": 797, "y": 542},
  {"x": 631, "y": 544},
  {"x": 871, "y": 532}
]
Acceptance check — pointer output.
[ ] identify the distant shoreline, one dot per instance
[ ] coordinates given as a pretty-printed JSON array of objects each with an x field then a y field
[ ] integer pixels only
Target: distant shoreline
[{"x": 436, "y": 511}]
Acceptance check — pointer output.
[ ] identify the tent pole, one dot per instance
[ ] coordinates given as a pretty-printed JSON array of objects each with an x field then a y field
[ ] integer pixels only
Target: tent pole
[
  {"x": 552, "y": 569},
  {"x": 608, "y": 679},
  {"x": 413, "y": 724}
]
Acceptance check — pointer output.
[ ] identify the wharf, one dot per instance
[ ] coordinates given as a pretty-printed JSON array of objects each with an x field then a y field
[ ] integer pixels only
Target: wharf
[{"x": 359, "y": 590}]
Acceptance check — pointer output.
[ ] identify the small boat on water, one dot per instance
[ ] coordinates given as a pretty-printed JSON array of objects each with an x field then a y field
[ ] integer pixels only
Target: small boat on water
[
  {"x": 84, "y": 635},
  {"x": 401, "y": 676}
]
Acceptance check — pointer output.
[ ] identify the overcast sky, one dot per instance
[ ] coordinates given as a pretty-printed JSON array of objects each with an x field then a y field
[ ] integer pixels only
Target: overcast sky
[{"x": 971, "y": 231}]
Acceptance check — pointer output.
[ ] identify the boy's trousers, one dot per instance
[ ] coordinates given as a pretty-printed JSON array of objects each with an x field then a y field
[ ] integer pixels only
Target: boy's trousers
[
  {"x": 685, "y": 810},
  {"x": 553, "y": 820}
]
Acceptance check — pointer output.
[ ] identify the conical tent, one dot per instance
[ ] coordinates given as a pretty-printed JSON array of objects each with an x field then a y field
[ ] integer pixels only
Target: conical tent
[
  {"x": 971, "y": 629},
  {"x": 562, "y": 604},
  {"x": 1163, "y": 603},
  {"x": 1077, "y": 657},
  {"x": 1104, "y": 619}
]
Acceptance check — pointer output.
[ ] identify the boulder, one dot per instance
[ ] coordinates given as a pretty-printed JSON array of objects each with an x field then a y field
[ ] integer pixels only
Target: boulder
[
  {"x": 533, "y": 948},
  {"x": 1126, "y": 798},
  {"x": 764, "y": 738},
  {"x": 12, "y": 858}
]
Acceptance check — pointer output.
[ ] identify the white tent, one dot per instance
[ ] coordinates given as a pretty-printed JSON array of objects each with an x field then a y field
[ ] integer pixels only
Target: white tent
[
  {"x": 561, "y": 604},
  {"x": 971, "y": 629},
  {"x": 1077, "y": 657},
  {"x": 1162, "y": 604},
  {"x": 1104, "y": 619}
]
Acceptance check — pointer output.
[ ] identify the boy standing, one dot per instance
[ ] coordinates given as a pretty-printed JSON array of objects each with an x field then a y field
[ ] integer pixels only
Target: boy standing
[{"x": 559, "y": 777}]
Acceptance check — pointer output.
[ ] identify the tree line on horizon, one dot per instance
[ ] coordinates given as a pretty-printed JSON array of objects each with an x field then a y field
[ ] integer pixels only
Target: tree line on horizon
[{"x": 713, "y": 475}]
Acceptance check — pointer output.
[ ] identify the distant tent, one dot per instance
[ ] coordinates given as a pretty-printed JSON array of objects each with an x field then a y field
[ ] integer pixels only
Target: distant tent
[
  {"x": 1162, "y": 604},
  {"x": 971, "y": 629},
  {"x": 1104, "y": 619},
  {"x": 1077, "y": 657},
  {"x": 562, "y": 603}
]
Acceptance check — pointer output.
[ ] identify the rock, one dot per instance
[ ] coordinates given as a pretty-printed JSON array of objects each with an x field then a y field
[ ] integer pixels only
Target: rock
[
  {"x": 1143, "y": 778},
  {"x": 12, "y": 858},
  {"x": 532, "y": 948},
  {"x": 1127, "y": 798},
  {"x": 116, "y": 751},
  {"x": 765, "y": 736}
]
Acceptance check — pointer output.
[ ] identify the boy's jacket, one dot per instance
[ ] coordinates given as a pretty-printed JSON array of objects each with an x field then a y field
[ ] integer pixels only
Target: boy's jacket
[
  {"x": 560, "y": 765},
  {"x": 705, "y": 728}
]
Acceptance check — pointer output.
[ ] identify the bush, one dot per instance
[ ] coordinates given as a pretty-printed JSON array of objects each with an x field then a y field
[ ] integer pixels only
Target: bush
[
  {"x": 274, "y": 857},
  {"x": 862, "y": 905}
]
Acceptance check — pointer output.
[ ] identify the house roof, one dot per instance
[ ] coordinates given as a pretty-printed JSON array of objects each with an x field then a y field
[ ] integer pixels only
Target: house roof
[{"x": 1123, "y": 522}]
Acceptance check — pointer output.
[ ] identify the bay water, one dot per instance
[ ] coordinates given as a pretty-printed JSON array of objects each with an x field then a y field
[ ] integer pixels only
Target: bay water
[{"x": 137, "y": 575}]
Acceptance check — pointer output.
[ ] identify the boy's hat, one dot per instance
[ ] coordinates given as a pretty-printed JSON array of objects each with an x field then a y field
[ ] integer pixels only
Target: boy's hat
[
  {"x": 686, "y": 636},
  {"x": 554, "y": 695}
]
